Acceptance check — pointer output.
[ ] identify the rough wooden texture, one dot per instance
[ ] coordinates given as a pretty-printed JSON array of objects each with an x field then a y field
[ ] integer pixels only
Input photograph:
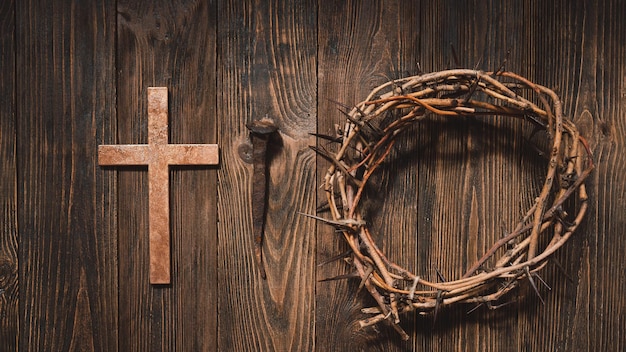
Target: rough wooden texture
[
  {"x": 8, "y": 188},
  {"x": 173, "y": 45},
  {"x": 591, "y": 60},
  {"x": 74, "y": 76},
  {"x": 267, "y": 67},
  {"x": 361, "y": 46},
  {"x": 65, "y": 100},
  {"x": 447, "y": 196}
]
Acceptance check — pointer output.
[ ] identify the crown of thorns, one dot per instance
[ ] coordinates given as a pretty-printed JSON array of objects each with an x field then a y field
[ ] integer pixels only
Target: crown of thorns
[{"x": 369, "y": 135}]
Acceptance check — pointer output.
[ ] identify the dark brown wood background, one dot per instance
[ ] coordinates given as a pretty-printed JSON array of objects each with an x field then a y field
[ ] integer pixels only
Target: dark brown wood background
[{"x": 73, "y": 245}]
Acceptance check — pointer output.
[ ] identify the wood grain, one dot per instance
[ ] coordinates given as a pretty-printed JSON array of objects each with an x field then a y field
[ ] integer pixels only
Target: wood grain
[
  {"x": 65, "y": 98},
  {"x": 476, "y": 182},
  {"x": 74, "y": 75},
  {"x": 362, "y": 46},
  {"x": 461, "y": 197},
  {"x": 8, "y": 188},
  {"x": 172, "y": 45},
  {"x": 596, "y": 99},
  {"x": 267, "y": 68}
]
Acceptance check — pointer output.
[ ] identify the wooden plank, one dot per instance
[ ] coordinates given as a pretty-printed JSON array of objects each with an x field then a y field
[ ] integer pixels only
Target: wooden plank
[
  {"x": 267, "y": 67},
  {"x": 589, "y": 71},
  {"x": 476, "y": 184},
  {"x": 65, "y": 96},
  {"x": 559, "y": 45},
  {"x": 363, "y": 45},
  {"x": 449, "y": 200},
  {"x": 471, "y": 184},
  {"x": 544, "y": 41},
  {"x": 172, "y": 45},
  {"x": 8, "y": 191}
]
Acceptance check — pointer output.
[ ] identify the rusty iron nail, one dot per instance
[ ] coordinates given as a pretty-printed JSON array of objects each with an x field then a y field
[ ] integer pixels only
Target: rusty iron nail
[{"x": 261, "y": 130}]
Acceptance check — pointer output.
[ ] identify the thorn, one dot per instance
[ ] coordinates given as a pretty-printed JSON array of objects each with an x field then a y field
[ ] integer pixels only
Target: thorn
[
  {"x": 361, "y": 123},
  {"x": 506, "y": 58},
  {"x": 508, "y": 283},
  {"x": 344, "y": 224},
  {"x": 454, "y": 56},
  {"x": 562, "y": 269},
  {"x": 440, "y": 276},
  {"x": 539, "y": 124},
  {"x": 492, "y": 306},
  {"x": 368, "y": 273},
  {"x": 560, "y": 218},
  {"x": 532, "y": 283},
  {"x": 327, "y": 137},
  {"x": 335, "y": 258},
  {"x": 542, "y": 281},
  {"x": 437, "y": 303},
  {"x": 325, "y": 206},
  {"x": 341, "y": 277},
  {"x": 338, "y": 103},
  {"x": 393, "y": 82},
  {"x": 361, "y": 112},
  {"x": 322, "y": 152},
  {"x": 474, "y": 309},
  {"x": 539, "y": 152},
  {"x": 322, "y": 208},
  {"x": 471, "y": 90},
  {"x": 480, "y": 61},
  {"x": 326, "y": 155},
  {"x": 352, "y": 119},
  {"x": 419, "y": 68}
]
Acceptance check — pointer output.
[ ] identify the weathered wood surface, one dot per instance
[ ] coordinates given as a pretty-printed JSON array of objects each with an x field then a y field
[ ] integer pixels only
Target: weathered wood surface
[
  {"x": 266, "y": 67},
  {"x": 435, "y": 178},
  {"x": 8, "y": 188},
  {"x": 172, "y": 45},
  {"x": 455, "y": 193},
  {"x": 65, "y": 91},
  {"x": 74, "y": 235}
]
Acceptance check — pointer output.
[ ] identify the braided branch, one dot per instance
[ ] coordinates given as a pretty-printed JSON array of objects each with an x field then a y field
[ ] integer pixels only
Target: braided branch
[{"x": 368, "y": 137}]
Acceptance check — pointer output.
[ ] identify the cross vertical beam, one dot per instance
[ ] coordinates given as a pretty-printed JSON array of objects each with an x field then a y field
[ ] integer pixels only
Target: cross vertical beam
[
  {"x": 158, "y": 189},
  {"x": 158, "y": 155}
]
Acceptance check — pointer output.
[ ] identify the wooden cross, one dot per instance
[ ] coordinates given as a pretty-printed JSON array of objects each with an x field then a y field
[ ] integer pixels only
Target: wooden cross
[{"x": 158, "y": 155}]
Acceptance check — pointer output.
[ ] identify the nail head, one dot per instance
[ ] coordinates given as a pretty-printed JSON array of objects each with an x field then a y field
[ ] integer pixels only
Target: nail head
[{"x": 262, "y": 126}]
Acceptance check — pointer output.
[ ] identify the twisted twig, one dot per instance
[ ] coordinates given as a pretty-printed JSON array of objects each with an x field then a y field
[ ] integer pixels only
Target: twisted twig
[{"x": 368, "y": 137}]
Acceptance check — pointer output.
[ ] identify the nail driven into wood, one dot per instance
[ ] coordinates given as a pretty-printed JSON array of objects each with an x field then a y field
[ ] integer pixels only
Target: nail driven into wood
[{"x": 260, "y": 133}]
